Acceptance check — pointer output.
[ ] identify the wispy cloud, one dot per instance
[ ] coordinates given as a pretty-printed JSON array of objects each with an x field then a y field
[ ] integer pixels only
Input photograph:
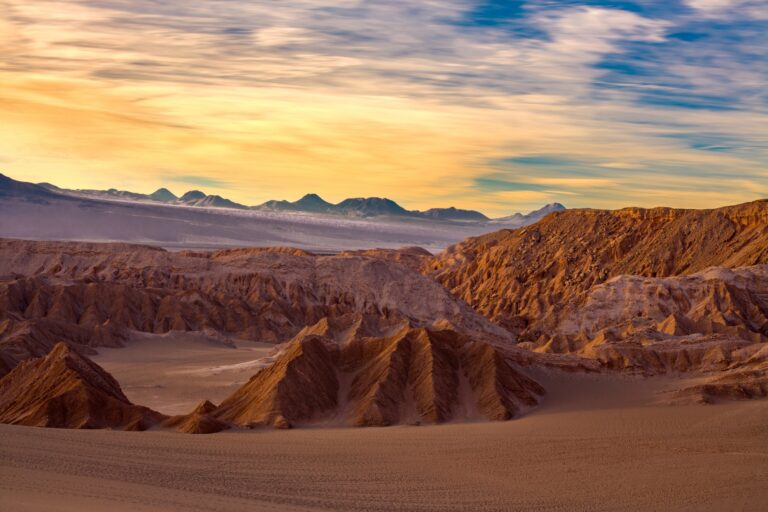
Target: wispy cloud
[
  {"x": 420, "y": 101},
  {"x": 727, "y": 8},
  {"x": 201, "y": 181}
]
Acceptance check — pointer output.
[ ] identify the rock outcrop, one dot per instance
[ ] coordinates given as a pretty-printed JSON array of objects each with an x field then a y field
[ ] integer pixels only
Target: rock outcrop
[
  {"x": 92, "y": 294},
  {"x": 744, "y": 377},
  {"x": 518, "y": 277},
  {"x": 199, "y": 421},
  {"x": 560, "y": 281},
  {"x": 67, "y": 390},
  {"x": 663, "y": 324},
  {"x": 647, "y": 291},
  {"x": 412, "y": 257},
  {"x": 738, "y": 385},
  {"x": 414, "y": 376}
]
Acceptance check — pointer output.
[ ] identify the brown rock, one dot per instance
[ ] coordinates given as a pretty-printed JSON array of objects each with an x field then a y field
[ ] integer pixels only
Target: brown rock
[
  {"x": 621, "y": 286},
  {"x": 67, "y": 390},
  {"x": 299, "y": 387},
  {"x": 416, "y": 375},
  {"x": 92, "y": 294},
  {"x": 412, "y": 257},
  {"x": 199, "y": 421},
  {"x": 519, "y": 277}
]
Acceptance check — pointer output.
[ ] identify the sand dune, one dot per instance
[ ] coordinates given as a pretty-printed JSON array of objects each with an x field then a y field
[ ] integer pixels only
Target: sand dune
[{"x": 582, "y": 450}]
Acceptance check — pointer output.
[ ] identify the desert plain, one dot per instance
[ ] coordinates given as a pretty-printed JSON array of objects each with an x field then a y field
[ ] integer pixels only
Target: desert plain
[
  {"x": 583, "y": 449},
  {"x": 593, "y": 360}
]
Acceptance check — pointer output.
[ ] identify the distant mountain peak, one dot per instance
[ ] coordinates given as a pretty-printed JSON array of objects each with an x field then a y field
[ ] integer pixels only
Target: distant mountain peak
[
  {"x": 193, "y": 195},
  {"x": 214, "y": 201},
  {"x": 453, "y": 213},
  {"x": 163, "y": 194},
  {"x": 519, "y": 219},
  {"x": 12, "y": 188},
  {"x": 371, "y": 207},
  {"x": 312, "y": 199}
]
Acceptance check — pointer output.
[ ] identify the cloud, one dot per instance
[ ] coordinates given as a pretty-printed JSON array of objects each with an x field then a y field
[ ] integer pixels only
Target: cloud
[
  {"x": 419, "y": 101},
  {"x": 524, "y": 197},
  {"x": 202, "y": 181},
  {"x": 277, "y": 36},
  {"x": 577, "y": 183},
  {"x": 619, "y": 165},
  {"x": 751, "y": 8},
  {"x": 712, "y": 5}
]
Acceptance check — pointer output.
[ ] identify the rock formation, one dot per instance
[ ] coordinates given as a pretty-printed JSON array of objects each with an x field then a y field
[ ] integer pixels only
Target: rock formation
[
  {"x": 412, "y": 375},
  {"x": 92, "y": 294},
  {"x": 365, "y": 339},
  {"x": 67, "y": 390},
  {"x": 524, "y": 279},
  {"x": 649, "y": 291},
  {"x": 199, "y": 421},
  {"x": 412, "y": 257},
  {"x": 745, "y": 376},
  {"x": 723, "y": 308}
]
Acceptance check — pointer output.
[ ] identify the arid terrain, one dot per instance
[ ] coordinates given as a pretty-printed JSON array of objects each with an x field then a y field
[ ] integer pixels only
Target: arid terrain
[
  {"x": 173, "y": 372},
  {"x": 628, "y": 348},
  {"x": 573, "y": 454},
  {"x": 376, "y": 256}
]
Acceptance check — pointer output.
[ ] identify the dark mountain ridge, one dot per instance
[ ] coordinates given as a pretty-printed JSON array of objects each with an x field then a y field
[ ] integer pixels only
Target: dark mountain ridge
[{"x": 360, "y": 207}]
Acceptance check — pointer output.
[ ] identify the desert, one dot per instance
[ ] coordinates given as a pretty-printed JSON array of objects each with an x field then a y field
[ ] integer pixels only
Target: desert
[
  {"x": 383, "y": 255},
  {"x": 395, "y": 378},
  {"x": 574, "y": 454}
]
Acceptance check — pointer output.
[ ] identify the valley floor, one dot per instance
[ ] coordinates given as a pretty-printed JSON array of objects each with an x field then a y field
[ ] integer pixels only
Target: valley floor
[
  {"x": 582, "y": 450},
  {"x": 173, "y": 372}
]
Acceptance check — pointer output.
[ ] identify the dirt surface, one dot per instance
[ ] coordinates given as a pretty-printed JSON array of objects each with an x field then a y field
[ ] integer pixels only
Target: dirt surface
[
  {"x": 174, "y": 372},
  {"x": 595, "y": 444}
]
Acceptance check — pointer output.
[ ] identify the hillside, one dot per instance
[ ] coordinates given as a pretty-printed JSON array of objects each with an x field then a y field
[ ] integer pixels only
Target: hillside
[
  {"x": 91, "y": 294},
  {"x": 650, "y": 292},
  {"x": 620, "y": 285},
  {"x": 363, "y": 378},
  {"x": 67, "y": 390},
  {"x": 515, "y": 276}
]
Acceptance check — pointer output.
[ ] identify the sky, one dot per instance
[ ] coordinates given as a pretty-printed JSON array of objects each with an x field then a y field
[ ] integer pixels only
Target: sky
[{"x": 500, "y": 106}]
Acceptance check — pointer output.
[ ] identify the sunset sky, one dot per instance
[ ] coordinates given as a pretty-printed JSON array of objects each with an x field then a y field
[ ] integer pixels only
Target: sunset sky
[{"x": 496, "y": 106}]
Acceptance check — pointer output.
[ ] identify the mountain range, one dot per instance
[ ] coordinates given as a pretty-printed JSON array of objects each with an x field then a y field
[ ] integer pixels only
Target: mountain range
[
  {"x": 357, "y": 207},
  {"x": 386, "y": 337},
  {"x": 197, "y": 220}
]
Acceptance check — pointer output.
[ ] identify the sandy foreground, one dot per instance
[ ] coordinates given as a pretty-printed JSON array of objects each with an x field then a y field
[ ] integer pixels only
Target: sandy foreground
[
  {"x": 597, "y": 443},
  {"x": 570, "y": 455}
]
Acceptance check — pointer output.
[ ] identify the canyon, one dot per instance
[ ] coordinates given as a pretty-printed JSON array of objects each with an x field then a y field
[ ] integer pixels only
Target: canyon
[{"x": 385, "y": 337}]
